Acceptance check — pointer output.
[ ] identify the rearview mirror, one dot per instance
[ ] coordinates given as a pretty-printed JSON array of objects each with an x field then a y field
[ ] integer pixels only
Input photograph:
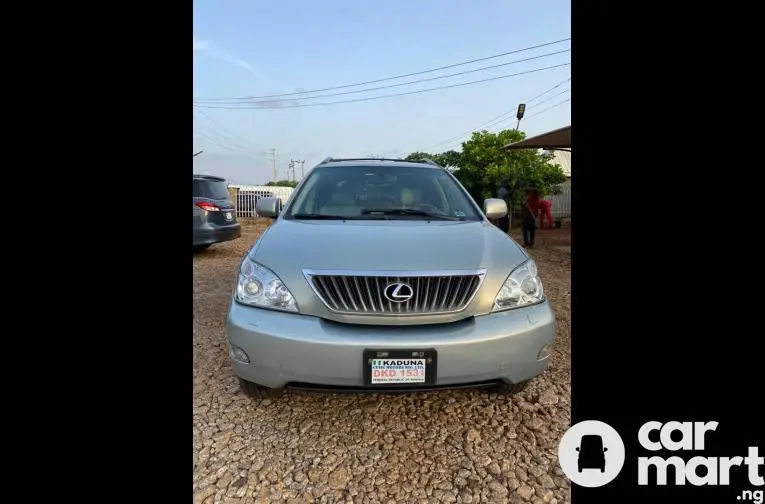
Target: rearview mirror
[
  {"x": 494, "y": 208},
  {"x": 577, "y": 448},
  {"x": 268, "y": 207},
  {"x": 605, "y": 449}
]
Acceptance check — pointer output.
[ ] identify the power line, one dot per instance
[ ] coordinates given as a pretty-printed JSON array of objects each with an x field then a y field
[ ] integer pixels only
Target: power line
[
  {"x": 456, "y": 137},
  {"x": 213, "y": 141},
  {"x": 226, "y": 144},
  {"x": 496, "y": 120},
  {"x": 345, "y": 86},
  {"x": 551, "y": 89},
  {"x": 218, "y": 135},
  {"x": 549, "y": 108},
  {"x": 234, "y": 135},
  {"x": 301, "y": 105},
  {"x": 503, "y": 124},
  {"x": 241, "y": 101},
  {"x": 552, "y": 97}
]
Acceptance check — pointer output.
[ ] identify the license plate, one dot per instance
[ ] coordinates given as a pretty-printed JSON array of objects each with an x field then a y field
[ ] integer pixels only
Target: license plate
[
  {"x": 399, "y": 367},
  {"x": 229, "y": 216}
]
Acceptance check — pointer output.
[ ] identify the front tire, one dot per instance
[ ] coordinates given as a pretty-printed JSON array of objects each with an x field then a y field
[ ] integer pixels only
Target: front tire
[
  {"x": 200, "y": 248},
  {"x": 256, "y": 391}
]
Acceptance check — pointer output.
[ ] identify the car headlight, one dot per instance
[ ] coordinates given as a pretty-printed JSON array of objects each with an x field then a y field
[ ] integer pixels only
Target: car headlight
[
  {"x": 522, "y": 288},
  {"x": 259, "y": 286}
]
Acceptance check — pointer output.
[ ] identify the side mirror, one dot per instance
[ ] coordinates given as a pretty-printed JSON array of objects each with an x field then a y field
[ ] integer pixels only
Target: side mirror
[
  {"x": 268, "y": 207},
  {"x": 494, "y": 208},
  {"x": 605, "y": 449},
  {"x": 577, "y": 448}
]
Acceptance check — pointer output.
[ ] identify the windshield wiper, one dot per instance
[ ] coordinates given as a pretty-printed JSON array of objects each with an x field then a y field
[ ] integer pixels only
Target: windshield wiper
[
  {"x": 315, "y": 216},
  {"x": 408, "y": 211}
]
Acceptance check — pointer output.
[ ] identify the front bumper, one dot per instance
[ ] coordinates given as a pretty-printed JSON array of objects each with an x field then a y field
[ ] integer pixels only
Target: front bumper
[{"x": 286, "y": 348}]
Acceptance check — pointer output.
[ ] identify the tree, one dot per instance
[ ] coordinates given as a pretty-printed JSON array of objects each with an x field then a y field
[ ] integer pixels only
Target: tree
[
  {"x": 449, "y": 159},
  {"x": 484, "y": 165},
  {"x": 283, "y": 183}
]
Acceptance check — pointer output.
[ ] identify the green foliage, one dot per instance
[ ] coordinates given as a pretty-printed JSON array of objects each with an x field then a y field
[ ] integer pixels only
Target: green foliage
[
  {"x": 283, "y": 183},
  {"x": 449, "y": 159},
  {"x": 482, "y": 166}
]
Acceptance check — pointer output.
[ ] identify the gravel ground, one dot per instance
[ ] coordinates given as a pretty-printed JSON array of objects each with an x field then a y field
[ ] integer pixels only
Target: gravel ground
[{"x": 462, "y": 446}]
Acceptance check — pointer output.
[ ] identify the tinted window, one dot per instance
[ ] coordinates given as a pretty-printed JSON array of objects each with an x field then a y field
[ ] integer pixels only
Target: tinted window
[
  {"x": 213, "y": 189},
  {"x": 356, "y": 190}
]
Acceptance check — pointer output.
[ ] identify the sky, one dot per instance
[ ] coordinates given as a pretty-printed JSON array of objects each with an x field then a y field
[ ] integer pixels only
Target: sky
[{"x": 256, "y": 48}]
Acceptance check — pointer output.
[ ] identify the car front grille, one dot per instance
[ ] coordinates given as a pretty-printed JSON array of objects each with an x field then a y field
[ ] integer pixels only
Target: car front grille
[{"x": 395, "y": 293}]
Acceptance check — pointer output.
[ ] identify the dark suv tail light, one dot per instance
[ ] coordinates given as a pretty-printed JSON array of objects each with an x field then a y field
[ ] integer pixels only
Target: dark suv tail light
[{"x": 208, "y": 207}]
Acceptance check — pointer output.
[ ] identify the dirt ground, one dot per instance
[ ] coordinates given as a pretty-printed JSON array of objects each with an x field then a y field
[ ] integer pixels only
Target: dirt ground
[{"x": 452, "y": 447}]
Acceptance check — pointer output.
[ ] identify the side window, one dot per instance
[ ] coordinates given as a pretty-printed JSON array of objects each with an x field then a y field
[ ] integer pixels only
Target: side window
[{"x": 198, "y": 189}]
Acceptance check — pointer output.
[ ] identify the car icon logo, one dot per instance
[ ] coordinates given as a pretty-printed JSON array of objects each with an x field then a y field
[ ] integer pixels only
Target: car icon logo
[{"x": 591, "y": 453}]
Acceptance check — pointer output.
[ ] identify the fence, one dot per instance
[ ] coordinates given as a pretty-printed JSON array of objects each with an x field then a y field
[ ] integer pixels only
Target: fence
[
  {"x": 561, "y": 203},
  {"x": 246, "y": 197}
]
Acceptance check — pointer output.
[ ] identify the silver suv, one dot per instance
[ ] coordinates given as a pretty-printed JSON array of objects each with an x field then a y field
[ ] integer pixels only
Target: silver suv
[{"x": 384, "y": 275}]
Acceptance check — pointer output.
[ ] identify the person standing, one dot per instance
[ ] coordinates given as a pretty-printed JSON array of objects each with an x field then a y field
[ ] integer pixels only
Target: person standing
[
  {"x": 545, "y": 213},
  {"x": 529, "y": 213}
]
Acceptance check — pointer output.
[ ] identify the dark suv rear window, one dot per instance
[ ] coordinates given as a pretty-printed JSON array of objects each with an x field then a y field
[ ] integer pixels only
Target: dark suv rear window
[{"x": 213, "y": 189}]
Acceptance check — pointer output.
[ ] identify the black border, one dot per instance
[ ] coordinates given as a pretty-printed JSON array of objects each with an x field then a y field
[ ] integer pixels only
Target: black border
[
  {"x": 431, "y": 370},
  {"x": 103, "y": 124},
  {"x": 654, "y": 235},
  {"x": 659, "y": 95}
]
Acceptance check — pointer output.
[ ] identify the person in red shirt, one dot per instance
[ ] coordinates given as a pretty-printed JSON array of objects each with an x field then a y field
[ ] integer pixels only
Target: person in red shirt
[{"x": 545, "y": 213}]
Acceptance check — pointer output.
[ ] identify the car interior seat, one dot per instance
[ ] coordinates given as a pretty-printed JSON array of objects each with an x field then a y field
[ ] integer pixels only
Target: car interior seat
[
  {"x": 342, "y": 204},
  {"x": 410, "y": 198}
]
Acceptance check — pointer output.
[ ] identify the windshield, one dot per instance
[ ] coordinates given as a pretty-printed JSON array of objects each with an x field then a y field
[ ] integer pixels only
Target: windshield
[
  {"x": 212, "y": 189},
  {"x": 380, "y": 192}
]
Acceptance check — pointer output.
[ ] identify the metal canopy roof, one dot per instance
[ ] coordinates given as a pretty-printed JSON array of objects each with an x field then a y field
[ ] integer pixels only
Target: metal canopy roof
[{"x": 552, "y": 140}]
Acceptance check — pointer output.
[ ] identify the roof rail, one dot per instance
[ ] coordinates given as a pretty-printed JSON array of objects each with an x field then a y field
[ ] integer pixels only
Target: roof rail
[
  {"x": 208, "y": 177},
  {"x": 365, "y": 159},
  {"x": 422, "y": 161}
]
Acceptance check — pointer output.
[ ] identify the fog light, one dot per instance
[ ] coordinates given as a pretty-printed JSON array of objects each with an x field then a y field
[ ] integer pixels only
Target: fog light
[
  {"x": 544, "y": 352},
  {"x": 238, "y": 354}
]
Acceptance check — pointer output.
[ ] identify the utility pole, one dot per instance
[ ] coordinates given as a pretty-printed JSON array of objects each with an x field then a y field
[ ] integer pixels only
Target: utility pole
[
  {"x": 293, "y": 162},
  {"x": 291, "y": 169},
  {"x": 273, "y": 159}
]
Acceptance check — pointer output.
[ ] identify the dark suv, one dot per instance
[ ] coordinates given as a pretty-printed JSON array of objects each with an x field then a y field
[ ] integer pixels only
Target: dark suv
[{"x": 214, "y": 213}]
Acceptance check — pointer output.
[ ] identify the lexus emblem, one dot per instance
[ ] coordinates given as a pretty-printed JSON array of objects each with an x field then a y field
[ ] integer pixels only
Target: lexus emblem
[{"x": 398, "y": 292}]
